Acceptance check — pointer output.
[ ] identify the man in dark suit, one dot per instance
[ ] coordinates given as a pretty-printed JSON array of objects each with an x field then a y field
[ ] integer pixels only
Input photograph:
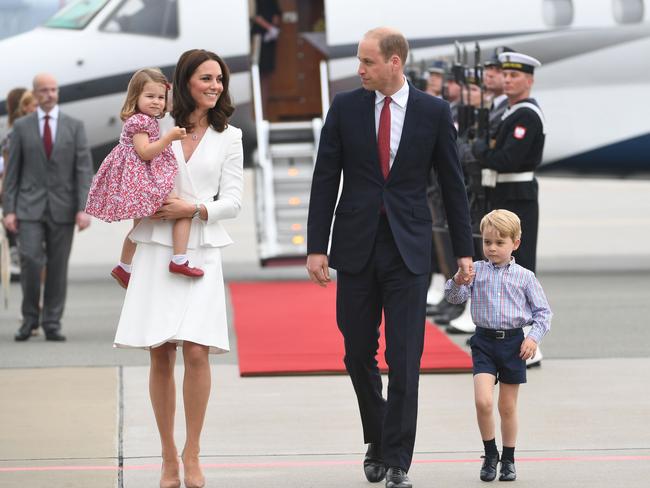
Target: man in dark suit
[
  {"x": 46, "y": 186},
  {"x": 384, "y": 138}
]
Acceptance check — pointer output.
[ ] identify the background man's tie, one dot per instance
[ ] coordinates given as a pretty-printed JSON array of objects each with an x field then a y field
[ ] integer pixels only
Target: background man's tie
[{"x": 47, "y": 137}]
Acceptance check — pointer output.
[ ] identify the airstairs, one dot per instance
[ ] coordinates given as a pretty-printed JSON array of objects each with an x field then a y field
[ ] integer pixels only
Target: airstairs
[{"x": 284, "y": 163}]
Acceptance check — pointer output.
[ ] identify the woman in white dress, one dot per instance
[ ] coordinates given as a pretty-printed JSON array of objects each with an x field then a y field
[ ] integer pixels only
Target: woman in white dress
[{"x": 163, "y": 311}]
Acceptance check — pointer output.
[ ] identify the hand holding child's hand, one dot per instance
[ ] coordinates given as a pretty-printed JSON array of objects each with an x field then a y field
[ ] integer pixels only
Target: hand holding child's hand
[
  {"x": 459, "y": 279},
  {"x": 465, "y": 274},
  {"x": 177, "y": 134},
  {"x": 528, "y": 349}
]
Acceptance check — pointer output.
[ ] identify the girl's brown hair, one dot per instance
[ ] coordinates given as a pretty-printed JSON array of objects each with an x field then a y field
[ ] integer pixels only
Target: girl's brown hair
[
  {"x": 183, "y": 103},
  {"x": 136, "y": 85}
]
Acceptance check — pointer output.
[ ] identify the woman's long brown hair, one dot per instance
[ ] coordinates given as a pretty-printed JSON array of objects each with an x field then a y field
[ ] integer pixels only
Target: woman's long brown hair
[{"x": 182, "y": 102}]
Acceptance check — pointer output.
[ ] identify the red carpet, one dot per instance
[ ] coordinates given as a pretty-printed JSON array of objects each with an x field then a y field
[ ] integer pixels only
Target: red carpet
[{"x": 290, "y": 328}]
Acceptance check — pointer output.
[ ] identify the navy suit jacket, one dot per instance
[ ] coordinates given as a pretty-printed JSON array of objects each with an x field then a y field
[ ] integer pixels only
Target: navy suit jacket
[{"x": 348, "y": 146}]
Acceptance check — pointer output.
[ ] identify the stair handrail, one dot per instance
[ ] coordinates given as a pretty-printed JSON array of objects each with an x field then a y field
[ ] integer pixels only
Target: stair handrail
[
  {"x": 263, "y": 156},
  {"x": 324, "y": 87}
]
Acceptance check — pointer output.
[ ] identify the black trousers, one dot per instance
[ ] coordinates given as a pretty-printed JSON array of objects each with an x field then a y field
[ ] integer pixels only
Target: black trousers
[
  {"x": 384, "y": 283},
  {"x": 40, "y": 242}
]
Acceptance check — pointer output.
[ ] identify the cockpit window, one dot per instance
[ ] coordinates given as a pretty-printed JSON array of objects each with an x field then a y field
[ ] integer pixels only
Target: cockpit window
[
  {"x": 146, "y": 17},
  {"x": 76, "y": 15}
]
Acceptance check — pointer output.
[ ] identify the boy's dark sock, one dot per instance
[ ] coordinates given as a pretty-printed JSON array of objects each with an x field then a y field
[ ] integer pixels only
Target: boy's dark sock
[
  {"x": 491, "y": 448},
  {"x": 508, "y": 454}
]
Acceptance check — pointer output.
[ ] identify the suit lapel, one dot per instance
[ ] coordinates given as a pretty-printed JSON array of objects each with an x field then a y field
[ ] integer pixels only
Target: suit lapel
[
  {"x": 59, "y": 130},
  {"x": 410, "y": 123},
  {"x": 37, "y": 134}
]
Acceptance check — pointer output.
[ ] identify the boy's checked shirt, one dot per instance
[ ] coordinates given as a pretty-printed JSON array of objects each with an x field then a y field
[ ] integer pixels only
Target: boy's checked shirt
[{"x": 504, "y": 297}]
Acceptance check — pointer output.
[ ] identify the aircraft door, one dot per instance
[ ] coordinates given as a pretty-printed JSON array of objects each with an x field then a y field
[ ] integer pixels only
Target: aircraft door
[{"x": 293, "y": 88}]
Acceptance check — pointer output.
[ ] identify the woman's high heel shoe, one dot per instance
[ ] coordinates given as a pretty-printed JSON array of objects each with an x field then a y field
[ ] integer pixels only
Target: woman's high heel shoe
[
  {"x": 171, "y": 482},
  {"x": 195, "y": 480}
]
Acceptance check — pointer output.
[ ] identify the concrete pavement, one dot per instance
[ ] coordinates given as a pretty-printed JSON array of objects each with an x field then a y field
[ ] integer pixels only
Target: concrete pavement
[
  {"x": 582, "y": 423},
  {"x": 71, "y": 414}
]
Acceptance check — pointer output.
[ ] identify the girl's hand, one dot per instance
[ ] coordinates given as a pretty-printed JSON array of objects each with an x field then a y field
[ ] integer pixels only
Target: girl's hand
[
  {"x": 174, "y": 208},
  {"x": 176, "y": 134}
]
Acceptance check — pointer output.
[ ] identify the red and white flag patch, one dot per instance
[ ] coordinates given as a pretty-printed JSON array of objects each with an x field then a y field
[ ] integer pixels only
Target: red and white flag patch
[{"x": 520, "y": 132}]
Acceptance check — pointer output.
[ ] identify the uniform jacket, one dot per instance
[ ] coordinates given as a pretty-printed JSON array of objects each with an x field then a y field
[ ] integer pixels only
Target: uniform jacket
[
  {"x": 517, "y": 148},
  {"x": 34, "y": 183},
  {"x": 348, "y": 147}
]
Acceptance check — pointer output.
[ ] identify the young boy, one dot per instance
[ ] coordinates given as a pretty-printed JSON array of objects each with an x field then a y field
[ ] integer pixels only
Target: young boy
[{"x": 505, "y": 297}]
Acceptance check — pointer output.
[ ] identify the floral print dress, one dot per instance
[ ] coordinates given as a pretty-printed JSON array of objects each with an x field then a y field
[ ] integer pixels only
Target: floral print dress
[{"x": 125, "y": 186}]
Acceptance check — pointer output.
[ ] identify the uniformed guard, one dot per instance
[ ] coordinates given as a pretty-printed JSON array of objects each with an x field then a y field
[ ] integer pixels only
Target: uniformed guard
[
  {"x": 515, "y": 152},
  {"x": 465, "y": 106},
  {"x": 436, "y": 79},
  {"x": 493, "y": 82},
  {"x": 444, "y": 261}
]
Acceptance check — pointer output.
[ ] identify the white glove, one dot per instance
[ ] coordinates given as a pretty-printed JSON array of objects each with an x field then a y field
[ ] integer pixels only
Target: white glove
[{"x": 271, "y": 34}]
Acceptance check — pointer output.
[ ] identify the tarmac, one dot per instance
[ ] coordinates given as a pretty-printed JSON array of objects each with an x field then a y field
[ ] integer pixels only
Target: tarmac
[{"x": 77, "y": 414}]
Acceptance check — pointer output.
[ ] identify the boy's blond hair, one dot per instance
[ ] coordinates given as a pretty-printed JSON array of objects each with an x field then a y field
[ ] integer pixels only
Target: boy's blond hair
[
  {"x": 136, "y": 85},
  {"x": 506, "y": 223}
]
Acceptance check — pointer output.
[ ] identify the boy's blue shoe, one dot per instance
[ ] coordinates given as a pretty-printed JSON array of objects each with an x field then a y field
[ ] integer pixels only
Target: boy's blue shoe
[
  {"x": 489, "y": 468},
  {"x": 507, "y": 472}
]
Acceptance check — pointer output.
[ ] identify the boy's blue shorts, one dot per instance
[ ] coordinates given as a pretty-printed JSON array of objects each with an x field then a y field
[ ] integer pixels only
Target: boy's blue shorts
[{"x": 497, "y": 353}]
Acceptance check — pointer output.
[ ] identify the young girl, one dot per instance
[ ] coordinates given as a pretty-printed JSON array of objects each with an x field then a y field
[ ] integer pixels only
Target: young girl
[{"x": 138, "y": 175}]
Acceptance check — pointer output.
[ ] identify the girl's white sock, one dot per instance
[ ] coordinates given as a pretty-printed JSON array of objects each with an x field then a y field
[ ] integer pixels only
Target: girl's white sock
[
  {"x": 179, "y": 258},
  {"x": 125, "y": 267}
]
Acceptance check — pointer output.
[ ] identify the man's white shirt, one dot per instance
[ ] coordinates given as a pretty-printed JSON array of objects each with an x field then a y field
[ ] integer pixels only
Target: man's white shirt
[
  {"x": 54, "y": 120},
  {"x": 397, "y": 113}
]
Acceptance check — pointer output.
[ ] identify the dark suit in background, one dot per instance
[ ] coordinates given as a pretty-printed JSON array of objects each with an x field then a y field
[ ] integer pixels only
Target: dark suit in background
[
  {"x": 46, "y": 194},
  {"x": 383, "y": 257}
]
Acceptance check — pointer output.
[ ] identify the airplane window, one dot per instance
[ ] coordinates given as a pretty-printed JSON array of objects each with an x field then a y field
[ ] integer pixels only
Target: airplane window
[
  {"x": 76, "y": 15},
  {"x": 146, "y": 17},
  {"x": 557, "y": 13},
  {"x": 628, "y": 11}
]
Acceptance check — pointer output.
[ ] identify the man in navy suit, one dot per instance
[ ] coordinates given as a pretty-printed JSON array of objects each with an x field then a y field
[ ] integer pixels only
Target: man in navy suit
[{"x": 384, "y": 138}]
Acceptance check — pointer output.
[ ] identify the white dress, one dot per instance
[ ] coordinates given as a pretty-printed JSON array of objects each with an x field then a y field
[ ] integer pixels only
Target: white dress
[{"x": 160, "y": 306}]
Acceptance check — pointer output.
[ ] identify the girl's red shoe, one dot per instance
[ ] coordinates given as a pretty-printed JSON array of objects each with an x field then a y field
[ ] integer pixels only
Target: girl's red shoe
[
  {"x": 185, "y": 269},
  {"x": 121, "y": 276}
]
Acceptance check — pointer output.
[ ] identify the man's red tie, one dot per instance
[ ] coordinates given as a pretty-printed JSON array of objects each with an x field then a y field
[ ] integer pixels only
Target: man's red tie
[
  {"x": 383, "y": 138},
  {"x": 47, "y": 137}
]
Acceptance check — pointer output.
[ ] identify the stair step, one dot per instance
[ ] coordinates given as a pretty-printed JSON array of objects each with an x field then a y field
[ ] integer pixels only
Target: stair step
[
  {"x": 296, "y": 125},
  {"x": 291, "y": 213},
  {"x": 293, "y": 150},
  {"x": 298, "y": 175}
]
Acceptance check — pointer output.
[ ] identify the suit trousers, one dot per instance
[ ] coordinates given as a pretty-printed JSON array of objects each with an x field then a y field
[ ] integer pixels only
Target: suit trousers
[
  {"x": 40, "y": 243},
  {"x": 384, "y": 283}
]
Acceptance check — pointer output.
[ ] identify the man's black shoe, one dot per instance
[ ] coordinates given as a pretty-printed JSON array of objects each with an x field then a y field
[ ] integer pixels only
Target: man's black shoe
[
  {"x": 373, "y": 464},
  {"x": 55, "y": 336},
  {"x": 433, "y": 309},
  {"x": 24, "y": 333},
  {"x": 450, "y": 312},
  {"x": 507, "y": 471},
  {"x": 396, "y": 478},
  {"x": 489, "y": 468}
]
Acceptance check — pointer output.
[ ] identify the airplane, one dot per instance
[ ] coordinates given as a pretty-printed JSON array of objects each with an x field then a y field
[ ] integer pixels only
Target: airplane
[
  {"x": 593, "y": 53},
  {"x": 17, "y": 16}
]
